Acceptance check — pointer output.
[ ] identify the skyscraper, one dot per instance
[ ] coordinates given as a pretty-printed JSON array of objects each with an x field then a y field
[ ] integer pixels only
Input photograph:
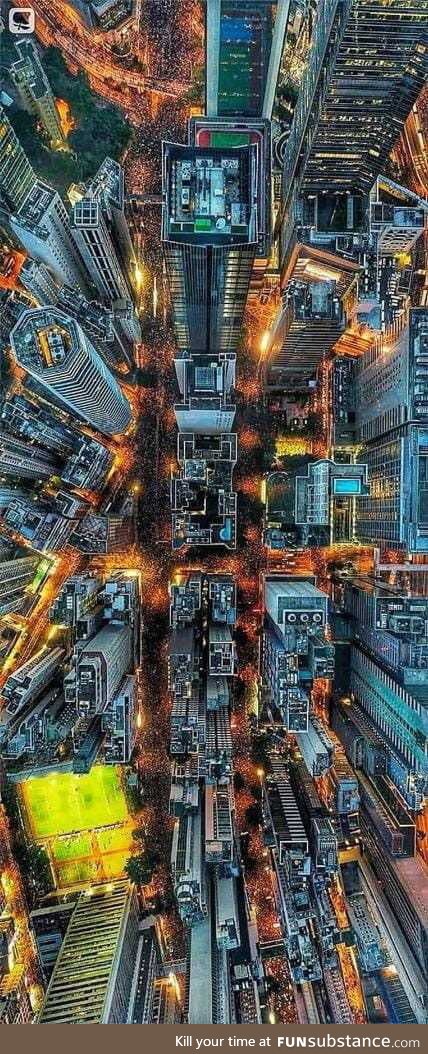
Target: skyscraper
[
  {"x": 92, "y": 978},
  {"x": 24, "y": 460},
  {"x": 35, "y": 91},
  {"x": 205, "y": 381},
  {"x": 99, "y": 667},
  {"x": 100, "y": 231},
  {"x": 398, "y": 713},
  {"x": 391, "y": 623},
  {"x": 15, "y": 1005},
  {"x": 15, "y": 576},
  {"x": 77, "y": 597},
  {"x": 17, "y": 176},
  {"x": 392, "y": 425},
  {"x": 295, "y": 649},
  {"x": 46, "y": 526},
  {"x": 27, "y": 419},
  {"x": 326, "y": 497},
  {"x": 204, "y": 505},
  {"x": 40, "y": 222},
  {"x": 366, "y": 67},
  {"x": 54, "y": 350},
  {"x": 39, "y": 281},
  {"x": 27, "y": 683},
  {"x": 210, "y": 235},
  {"x": 243, "y": 54},
  {"x": 118, "y": 722},
  {"x": 235, "y": 132}
]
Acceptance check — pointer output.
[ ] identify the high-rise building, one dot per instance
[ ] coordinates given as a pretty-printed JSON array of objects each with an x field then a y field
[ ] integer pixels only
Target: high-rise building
[
  {"x": 326, "y": 497},
  {"x": 28, "y": 419},
  {"x": 121, "y": 599},
  {"x": 366, "y": 67},
  {"x": 118, "y": 723},
  {"x": 77, "y": 596},
  {"x": 46, "y": 526},
  {"x": 397, "y": 217},
  {"x": 35, "y": 91},
  {"x": 310, "y": 319},
  {"x": 99, "y": 668},
  {"x": 316, "y": 748},
  {"x": 201, "y": 661},
  {"x": 15, "y": 1005},
  {"x": 155, "y": 999},
  {"x": 290, "y": 839},
  {"x": 291, "y": 858},
  {"x": 24, "y": 460},
  {"x": 100, "y": 231},
  {"x": 209, "y": 236},
  {"x": 192, "y": 593},
  {"x": 15, "y": 576},
  {"x": 398, "y": 714},
  {"x": 39, "y": 281},
  {"x": 104, "y": 534},
  {"x": 390, "y": 621},
  {"x": 220, "y": 132},
  {"x": 219, "y": 834},
  {"x": 403, "y": 883},
  {"x": 106, "y": 327},
  {"x": 49, "y": 925},
  {"x": 244, "y": 42},
  {"x": 392, "y": 427},
  {"x": 56, "y": 353},
  {"x": 85, "y": 460},
  {"x": 42, "y": 226},
  {"x": 92, "y": 977},
  {"x": 205, "y": 382},
  {"x": 295, "y": 649},
  {"x": 221, "y": 652},
  {"x": 203, "y": 501},
  {"x": 28, "y": 682},
  {"x": 17, "y": 177},
  {"x": 187, "y": 865}
]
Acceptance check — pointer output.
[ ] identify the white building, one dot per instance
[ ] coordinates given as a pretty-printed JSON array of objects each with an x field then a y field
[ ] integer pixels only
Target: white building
[{"x": 55, "y": 351}]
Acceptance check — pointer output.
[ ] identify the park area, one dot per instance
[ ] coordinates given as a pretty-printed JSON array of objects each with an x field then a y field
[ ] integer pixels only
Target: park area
[{"x": 82, "y": 821}]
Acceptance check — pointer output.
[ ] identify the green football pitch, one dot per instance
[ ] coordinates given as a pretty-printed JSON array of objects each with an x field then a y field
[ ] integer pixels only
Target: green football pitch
[
  {"x": 72, "y": 816},
  {"x": 62, "y": 803}
]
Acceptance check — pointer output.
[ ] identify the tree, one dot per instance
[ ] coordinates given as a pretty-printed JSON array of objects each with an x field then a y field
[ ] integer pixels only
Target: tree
[
  {"x": 57, "y": 167},
  {"x": 259, "y": 751},
  {"x": 146, "y": 378},
  {"x": 314, "y": 427},
  {"x": 138, "y": 871},
  {"x": 273, "y": 984},
  {"x": 256, "y": 791},
  {"x": 101, "y": 130},
  {"x": 238, "y": 781},
  {"x": 133, "y": 797},
  {"x": 196, "y": 92},
  {"x": 35, "y": 867},
  {"x": 254, "y": 815}
]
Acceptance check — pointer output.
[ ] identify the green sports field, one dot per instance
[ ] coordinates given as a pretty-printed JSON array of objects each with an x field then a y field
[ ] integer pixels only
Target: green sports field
[
  {"x": 82, "y": 821},
  {"x": 63, "y": 802}
]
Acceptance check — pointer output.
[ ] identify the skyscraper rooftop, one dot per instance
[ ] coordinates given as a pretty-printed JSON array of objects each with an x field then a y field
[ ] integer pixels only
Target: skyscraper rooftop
[{"x": 209, "y": 195}]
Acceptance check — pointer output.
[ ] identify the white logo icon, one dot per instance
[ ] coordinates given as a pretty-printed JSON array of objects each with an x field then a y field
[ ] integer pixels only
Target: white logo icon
[{"x": 21, "y": 20}]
